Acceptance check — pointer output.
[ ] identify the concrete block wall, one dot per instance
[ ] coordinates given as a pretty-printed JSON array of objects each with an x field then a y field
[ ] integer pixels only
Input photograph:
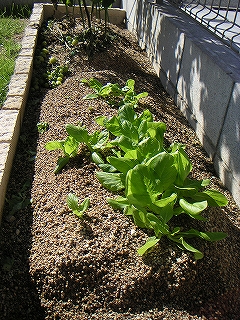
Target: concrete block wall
[{"x": 202, "y": 75}]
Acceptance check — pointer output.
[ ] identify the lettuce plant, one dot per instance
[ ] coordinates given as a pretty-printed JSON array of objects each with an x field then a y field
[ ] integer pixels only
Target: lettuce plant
[
  {"x": 155, "y": 180},
  {"x": 69, "y": 146},
  {"x": 158, "y": 190},
  {"x": 95, "y": 141},
  {"x": 77, "y": 209},
  {"x": 76, "y": 135},
  {"x": 113, "y": 93}
]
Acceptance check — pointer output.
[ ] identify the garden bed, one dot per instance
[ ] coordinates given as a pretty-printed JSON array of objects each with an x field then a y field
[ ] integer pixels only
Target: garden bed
[{"x": 57, "y": 266}]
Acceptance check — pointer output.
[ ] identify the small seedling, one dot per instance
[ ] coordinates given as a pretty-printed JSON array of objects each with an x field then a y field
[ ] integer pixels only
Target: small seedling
[
  {"x": 42, "y": 127},
  {"x": 56, "y": 76},
  {"x": 77, "y": 209}
]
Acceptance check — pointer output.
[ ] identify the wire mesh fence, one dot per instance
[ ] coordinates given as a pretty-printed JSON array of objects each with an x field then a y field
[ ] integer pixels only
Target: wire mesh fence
[{"x": 220, "y": 16}]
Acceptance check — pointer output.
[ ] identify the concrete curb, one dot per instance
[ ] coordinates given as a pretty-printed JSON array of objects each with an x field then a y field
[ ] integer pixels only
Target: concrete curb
[{"x": 12, "y": 112}]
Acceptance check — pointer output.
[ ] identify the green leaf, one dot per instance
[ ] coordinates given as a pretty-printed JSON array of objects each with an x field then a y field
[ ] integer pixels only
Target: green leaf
[
  {"x": 119, "y": 203},
  {"x": 122, "y": 164},
  {"x": 159, "y": 226},
  {"x": 156, "y": 130},
  {"x": 213, "y": 236},
  {"x": 90, "y": 96},
  {"x": 205, "y": 182},
  {"x": 130, "y": 84},
  {"x": 77, "y": 132},
  {"x": 101, "y": 120},
  {"x": 148, "y": 148},
  {"x": 164, "y": 169},
  {"x": 128, "y": 130},
  {"x": 55, "y": 145},
  {"x": 151, "y": 242},
  {"x": 193, "y": 208},
  {"x": 98, "y": 139},
  {"x": 208, "y": 236},
  {"x": 111, "y": 181},
  {"x": 42, "y": 127},
  {"x": 84, "y": 81},
  {"x": 72, "y": 201},
  {"x": 78, "y": 210},
  {"x": 139, "y": 217},
  {"x": 213, "y": 197},
  {"x": 107, "y": 167},
  {"x": 142, "y": 129},
  {"x": 191, "y": 187},
  {"x": 97, "y": 158},
  {"x": 141, "y": 186},
  {"x": 163, "y": 202},
  {"x": 106, "y": 90},
  {"x": 127, "y": 113},
  {"x": 182, "y": 163},
  {"x": 141, "y": 95},
  {"x": 166, "y": 213},
  {"x": 124, "y": 143},
  {"x": 147, "y": 115},
  {"x": 95, "y": 84},
  {"x": 84, "y": 205},
  {"x": 197, "y": 254},
  {"x": 114, "y": 126},
  {"x": 62, "y": 161},
  {"x": 71, "y": 146},
  {"x": 131, "y": 154}
]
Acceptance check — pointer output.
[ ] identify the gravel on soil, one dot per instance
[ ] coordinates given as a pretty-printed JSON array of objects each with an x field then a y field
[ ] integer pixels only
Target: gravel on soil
[{"x": 56, "y": 266}]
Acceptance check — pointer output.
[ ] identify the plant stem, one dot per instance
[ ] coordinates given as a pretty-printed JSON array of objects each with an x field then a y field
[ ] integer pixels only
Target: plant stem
[
  {"x": 88, "y": 15},
  {"x": 81, "y": 12}
]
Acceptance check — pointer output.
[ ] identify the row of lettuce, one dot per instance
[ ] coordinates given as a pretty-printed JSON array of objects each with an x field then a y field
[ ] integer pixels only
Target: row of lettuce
[{"x": 150, "y": 181}]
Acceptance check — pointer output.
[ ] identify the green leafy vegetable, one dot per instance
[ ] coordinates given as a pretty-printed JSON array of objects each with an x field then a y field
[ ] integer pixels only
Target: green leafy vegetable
[
  {"x": 77, "y": 209},
  {"x": 153, "y": 180},
  {"x": 69, "y": 146}
]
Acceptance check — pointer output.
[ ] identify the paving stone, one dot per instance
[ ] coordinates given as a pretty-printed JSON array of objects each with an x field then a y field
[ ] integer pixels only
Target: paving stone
[
  {"x": 17, "y": 85},
  {"x": 13, "y": 102},
  {"x": 29, "y": 42},
  {"x": 31, "y": 30},
  {"x": 10, "y": 125},
  {"x": 26, "y": 52},
  {"x": 23, "y": 64}
]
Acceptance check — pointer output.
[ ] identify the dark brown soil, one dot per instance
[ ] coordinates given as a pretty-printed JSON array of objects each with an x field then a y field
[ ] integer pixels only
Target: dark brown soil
[{"x": 56, "y": 266}]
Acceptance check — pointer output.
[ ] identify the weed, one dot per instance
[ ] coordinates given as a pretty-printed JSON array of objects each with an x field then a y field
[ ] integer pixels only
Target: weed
[
  {"x": 42, "y": 127},
  {"x": 20, "y": 200}
]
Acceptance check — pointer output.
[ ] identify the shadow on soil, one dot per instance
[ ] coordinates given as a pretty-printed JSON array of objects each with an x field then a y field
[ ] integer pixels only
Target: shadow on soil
[
  {"x": 19, "y": 298},
  {"x": 208, "y": 288}
]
